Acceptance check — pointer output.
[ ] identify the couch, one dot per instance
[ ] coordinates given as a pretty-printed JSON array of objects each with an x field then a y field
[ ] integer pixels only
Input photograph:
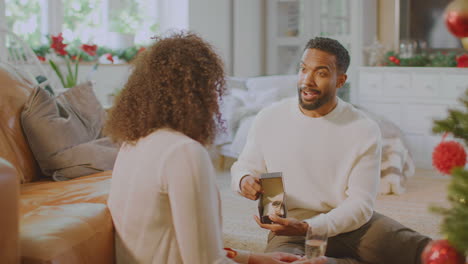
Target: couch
[{"x": 45, "y": 221}]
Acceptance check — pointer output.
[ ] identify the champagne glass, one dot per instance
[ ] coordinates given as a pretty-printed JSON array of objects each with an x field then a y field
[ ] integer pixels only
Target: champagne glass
[{"x": 316, "y": 242}]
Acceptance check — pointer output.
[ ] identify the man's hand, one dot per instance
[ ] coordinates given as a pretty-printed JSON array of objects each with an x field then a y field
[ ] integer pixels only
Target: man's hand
[
  {"x": 284, "y": 226},
  {"x": 274, "y": 258},
  {"x": 250, "y": 187}
]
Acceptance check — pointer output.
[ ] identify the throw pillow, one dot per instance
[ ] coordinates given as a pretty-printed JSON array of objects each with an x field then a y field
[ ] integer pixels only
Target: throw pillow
[{"x": 65, "y": 133}]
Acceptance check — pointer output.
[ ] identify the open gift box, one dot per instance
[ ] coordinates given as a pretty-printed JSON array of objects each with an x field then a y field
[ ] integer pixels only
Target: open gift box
[{"x": 272, "y": 200}]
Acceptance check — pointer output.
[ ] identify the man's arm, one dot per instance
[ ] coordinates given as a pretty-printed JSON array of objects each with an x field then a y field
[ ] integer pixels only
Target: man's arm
[
  {"x": 363, "y": 183},
  {"x": 249, "y": 163}
]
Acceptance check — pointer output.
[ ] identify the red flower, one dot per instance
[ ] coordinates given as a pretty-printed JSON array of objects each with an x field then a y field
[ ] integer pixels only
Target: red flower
[
  {"x": 41, "y": 58},
  {"x": 109, "y": 57},
  {"x": 57, "y": 45},
  {"x": 90, "y": 49},
  {"x": 462, "y": 61},
  {"x": 397, "y": 61},
  {"x": 392, "y": 58},
  {"x": 141, "y": 49}
]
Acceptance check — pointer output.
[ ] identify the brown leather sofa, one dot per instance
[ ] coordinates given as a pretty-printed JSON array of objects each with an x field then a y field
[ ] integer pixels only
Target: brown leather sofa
[{"x": 44, "y": 221}]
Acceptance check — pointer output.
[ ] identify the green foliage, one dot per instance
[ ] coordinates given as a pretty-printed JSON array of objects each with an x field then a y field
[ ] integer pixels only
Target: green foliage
[
  {"x": 443, "y": 60},
  {"x": 74, "y": 49},
  {"x": 41, "y": 50},
  {"x": 127, "y": 54},
  {"x": 126, "y": 19},
  {"x": 422, "y": 60},
  {"x": 23, "y": 17},
  {"x": 455, "y": 223},
  {"x": 78, "y": 14},
  {"x": 456, "y": 123},
  {"x": 416, "y": 61}
]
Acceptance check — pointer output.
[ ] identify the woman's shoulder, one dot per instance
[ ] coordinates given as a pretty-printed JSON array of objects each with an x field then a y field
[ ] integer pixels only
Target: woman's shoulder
[{"x": 178, "y": 142}]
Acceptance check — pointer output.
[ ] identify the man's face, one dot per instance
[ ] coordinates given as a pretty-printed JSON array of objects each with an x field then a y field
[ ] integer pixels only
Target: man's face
[{"x": 318, "y": 80}]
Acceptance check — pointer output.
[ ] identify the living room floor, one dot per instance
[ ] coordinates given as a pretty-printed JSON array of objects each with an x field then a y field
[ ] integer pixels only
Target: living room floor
[{"x": 424, "y": 189}]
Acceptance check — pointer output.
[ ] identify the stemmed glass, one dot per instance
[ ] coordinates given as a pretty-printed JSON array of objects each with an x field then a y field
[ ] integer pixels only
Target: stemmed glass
[{"x": 316, "y": 242}]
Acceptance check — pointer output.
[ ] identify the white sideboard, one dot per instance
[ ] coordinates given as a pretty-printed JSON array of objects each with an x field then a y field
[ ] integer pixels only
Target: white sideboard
[{"x": 412, "y": 98}]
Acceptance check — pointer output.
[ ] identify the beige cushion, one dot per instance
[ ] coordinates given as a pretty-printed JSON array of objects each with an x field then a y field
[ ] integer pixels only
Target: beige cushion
[{"x": 64, "y": 133}]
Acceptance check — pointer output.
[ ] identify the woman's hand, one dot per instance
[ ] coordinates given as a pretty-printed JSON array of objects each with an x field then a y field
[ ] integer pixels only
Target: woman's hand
[{"x": 273, "y": 258}]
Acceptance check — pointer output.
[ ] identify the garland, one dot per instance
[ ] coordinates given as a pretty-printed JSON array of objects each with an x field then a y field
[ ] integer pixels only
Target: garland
[{"x": 439, "y": 59}]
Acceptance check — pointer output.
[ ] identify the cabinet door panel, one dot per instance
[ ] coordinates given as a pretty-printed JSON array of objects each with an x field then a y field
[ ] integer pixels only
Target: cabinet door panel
[
  {"x": 425, "y": 85},
  {"x": 397, "y": 84},
  {"x": 420, "y": 117},
  {"x": 453, "y": 85},
  {"x": 371, "y": 84}
]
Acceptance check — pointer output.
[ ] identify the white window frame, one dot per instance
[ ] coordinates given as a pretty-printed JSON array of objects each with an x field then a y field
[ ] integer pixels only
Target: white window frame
[{"x": 3, "y": 50}]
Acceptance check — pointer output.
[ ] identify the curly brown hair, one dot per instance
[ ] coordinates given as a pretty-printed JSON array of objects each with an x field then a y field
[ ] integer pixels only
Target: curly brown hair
[{"x": 176, "y": 83}]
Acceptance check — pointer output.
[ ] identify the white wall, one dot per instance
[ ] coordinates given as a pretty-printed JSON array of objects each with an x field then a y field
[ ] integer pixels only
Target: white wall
[
  {"x": 249, "y": 33},
  {"x": 212, "y": 20},
  {"x": 173, "y": 14}
]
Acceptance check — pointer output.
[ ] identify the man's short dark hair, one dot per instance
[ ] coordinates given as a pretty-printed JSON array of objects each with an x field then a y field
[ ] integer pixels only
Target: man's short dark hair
[{"x": 334, "y": 47}]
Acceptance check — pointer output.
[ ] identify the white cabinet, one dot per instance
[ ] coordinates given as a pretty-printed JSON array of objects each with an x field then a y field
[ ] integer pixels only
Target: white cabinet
[
  {"x": 291, "y": 23},
  {"x": 412, "y": 98}
]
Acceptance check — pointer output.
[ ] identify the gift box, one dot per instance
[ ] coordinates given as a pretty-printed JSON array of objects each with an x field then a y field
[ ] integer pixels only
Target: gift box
[{"x": 272, "y": 200}]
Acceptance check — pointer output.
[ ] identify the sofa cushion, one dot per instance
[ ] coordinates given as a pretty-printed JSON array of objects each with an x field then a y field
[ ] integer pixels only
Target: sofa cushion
[
  {"x": 14, "y": 92},
  {"x": 89, "y": 189},
  {"x": 64, "y": 133},
  {"x": 265, "y": 90},
  {"x": 66, "y": 222}
]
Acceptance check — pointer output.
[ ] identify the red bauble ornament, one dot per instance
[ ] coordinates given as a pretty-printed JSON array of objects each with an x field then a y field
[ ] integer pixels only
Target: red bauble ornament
[
  {"x": 456, "y": 18},
  {"x": 462, "y": 61},
  {"x": 447, "y": 155},
  {"x": 441, "y": 252}
]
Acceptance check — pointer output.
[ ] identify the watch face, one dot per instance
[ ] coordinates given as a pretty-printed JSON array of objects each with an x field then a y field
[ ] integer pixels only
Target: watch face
[{"x": 272, "y": 200}]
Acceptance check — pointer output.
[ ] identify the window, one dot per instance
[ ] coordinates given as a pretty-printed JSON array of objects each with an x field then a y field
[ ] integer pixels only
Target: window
[
  {"x": 24, "y": 18},
  {"x": 86, "y": 21},
  {"x": 83, "y": 21},
  {"x": 134, "y": 17}
]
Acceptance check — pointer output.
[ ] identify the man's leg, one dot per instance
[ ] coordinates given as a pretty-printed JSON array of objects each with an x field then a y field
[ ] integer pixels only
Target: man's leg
[
  {"x": 295, "y": 245},
  {"x": 382, "y": 240},
  {"x": 288, "y": 244}
]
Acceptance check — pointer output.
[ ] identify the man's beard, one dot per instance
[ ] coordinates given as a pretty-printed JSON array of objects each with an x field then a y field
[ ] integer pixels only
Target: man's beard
[{"x": 315, "y": 104}]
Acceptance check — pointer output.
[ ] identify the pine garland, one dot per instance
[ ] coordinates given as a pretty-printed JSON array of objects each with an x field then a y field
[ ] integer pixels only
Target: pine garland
[{"x": 438, "y": 59}]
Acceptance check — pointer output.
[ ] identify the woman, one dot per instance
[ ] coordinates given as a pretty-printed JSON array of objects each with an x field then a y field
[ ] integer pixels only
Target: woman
[{"x": 164, "y": 201}]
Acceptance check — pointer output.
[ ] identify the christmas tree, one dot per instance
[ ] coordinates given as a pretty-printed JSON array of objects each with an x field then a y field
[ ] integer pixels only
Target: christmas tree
[{"x": 449, "y": 157}]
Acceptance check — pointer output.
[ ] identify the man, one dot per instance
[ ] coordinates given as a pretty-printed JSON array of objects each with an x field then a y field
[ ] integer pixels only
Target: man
[{"x": 329, "y": 154}]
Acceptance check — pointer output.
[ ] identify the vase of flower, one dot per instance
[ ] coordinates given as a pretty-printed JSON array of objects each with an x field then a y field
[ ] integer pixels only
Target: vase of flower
[{"x": 69, "y": 77}]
